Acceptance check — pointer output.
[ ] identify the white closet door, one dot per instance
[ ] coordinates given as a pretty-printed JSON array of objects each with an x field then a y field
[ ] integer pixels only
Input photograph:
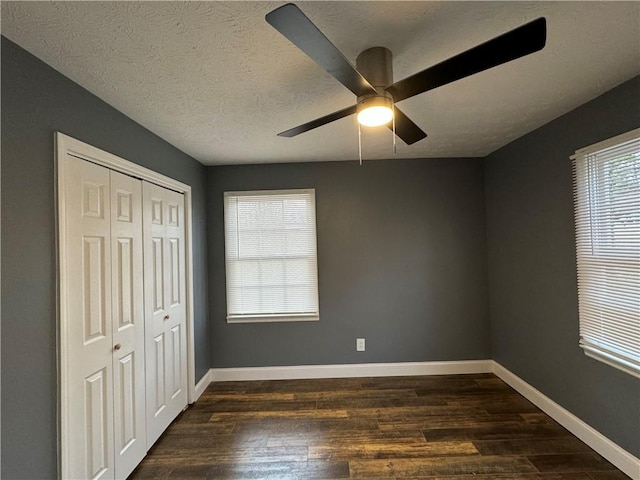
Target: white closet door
[
  {"x": 165, "y": 307},
  {"x": 103, "y": 332},
  {"x": 128, "y": 323},
  {"x": 87, "y": 329}
]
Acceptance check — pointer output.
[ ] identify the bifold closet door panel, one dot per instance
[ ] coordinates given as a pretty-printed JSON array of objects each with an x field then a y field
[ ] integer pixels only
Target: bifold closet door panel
[
  {"x": 127, "y": 301},
  {"x": 102, "y": 332},
  {"x": 176, "y": 294},
  {"x": 165, "y": 307},
  {"x": 87, "y": 333}
]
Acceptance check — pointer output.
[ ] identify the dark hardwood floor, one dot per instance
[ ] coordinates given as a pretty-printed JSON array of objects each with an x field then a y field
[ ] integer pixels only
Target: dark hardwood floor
[{"x": 436, "y": 427}]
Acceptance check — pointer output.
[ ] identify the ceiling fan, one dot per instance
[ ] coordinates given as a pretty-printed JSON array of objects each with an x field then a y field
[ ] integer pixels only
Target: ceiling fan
[{"x": 371, "y": 80}]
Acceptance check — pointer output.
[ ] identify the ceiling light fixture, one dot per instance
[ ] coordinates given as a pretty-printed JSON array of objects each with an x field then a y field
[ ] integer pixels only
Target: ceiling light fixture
[{"x": 375, "y": 110}]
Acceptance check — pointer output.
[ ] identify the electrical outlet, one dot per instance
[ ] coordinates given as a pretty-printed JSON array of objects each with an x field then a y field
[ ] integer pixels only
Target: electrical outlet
[{"x": 359, "y": 344}]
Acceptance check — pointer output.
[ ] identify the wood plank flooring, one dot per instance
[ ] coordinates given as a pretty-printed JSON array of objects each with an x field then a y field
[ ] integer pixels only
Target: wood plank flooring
[{"x": 449, "y": 427}]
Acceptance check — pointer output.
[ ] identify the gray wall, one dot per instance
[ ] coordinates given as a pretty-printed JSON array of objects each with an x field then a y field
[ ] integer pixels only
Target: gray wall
[
  {"x": 532, "y": 267},
  {"x": 36, "y": 101},
  {"x": 401, "y": 260}
]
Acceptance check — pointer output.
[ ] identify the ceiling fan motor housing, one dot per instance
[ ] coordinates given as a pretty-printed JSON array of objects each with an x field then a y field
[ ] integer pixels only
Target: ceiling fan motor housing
[{"x": 376, "y": 65}]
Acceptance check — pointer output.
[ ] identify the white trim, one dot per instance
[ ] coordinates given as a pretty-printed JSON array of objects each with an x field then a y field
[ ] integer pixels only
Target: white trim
[
  {"x": 251, "y": 193},
  {"x": 191, "y": 349},
  {"x": 93, "y": 154},
  {"x": 618, "y": 456},
  {"x": 350, "y": 370},
  {"x": 202, "y": 385},
  {"x": 61, "y": 310},
  {"x": 609, "y": 142},
  {"x": 610, "y": 359},
  {"x": 271, "y": 318},
  {"x": 64, "y": 145}
]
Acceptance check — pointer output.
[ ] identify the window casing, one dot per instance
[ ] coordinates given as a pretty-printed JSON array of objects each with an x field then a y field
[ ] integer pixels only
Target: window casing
[
  {"x": 607, "y": 216},
  {"x": 271, "y": 256}
]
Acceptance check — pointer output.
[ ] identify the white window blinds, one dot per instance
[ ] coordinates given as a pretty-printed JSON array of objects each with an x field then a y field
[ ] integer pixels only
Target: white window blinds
[
  {"x": 607, "y": 216},
  {"x": 271, "y": 264}
]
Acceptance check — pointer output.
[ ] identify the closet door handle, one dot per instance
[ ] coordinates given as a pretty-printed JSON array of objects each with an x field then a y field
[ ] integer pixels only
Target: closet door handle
[
  {"x": 166, "y": 317},
  {"x": 117, "y": 346}
]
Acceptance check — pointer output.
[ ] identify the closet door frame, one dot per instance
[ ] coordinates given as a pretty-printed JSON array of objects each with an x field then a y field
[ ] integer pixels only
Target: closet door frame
[{"x": 66, "y": 145}]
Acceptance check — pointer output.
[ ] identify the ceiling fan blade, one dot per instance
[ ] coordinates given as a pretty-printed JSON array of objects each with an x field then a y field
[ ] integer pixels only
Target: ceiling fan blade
[
  {"x": 293, "y": 24},
  {"x": 318, "y": 122},
  {"x": 528, "y": 38},
  {"x": 408, "y": 131}
]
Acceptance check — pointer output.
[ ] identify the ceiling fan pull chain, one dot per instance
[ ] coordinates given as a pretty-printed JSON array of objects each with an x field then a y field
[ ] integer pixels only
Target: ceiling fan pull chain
[
  {"x": 360, "y": 143},
  {"x": 393, "y": 119}
]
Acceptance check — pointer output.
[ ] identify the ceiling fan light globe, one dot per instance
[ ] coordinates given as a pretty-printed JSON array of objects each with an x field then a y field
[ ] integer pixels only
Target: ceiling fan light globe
[{"x": 375, "y": 116}]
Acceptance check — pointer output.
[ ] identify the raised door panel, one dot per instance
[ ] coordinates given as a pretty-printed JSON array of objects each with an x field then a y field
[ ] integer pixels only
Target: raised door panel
[
  {"x": 157, "y": 274},
  {"x": 96, "y": 394},
  {"x": 177, "y": 384},
  {"x": 93, "y": 198},
  {"x": 94, "y": 286},
  {"x": 125, "y": 282},
  {"x": 159, "y": 376},
  {"x": 175, "y": 280},
  {"x": 126, "y": 431}
]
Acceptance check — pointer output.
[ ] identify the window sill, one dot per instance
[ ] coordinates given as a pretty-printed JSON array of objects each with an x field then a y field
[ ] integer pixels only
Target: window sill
[
  {"x": 611, "y": 359},
  {"x": 273, "y": 318}
]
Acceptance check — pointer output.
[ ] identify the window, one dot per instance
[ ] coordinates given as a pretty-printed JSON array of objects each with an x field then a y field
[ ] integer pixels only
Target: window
[
  {"x": 607, "y": 215},
  {"x": 271, "y": 264}
]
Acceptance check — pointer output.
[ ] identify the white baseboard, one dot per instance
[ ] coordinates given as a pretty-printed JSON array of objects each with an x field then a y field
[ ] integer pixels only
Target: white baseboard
[
  {"x": 351, "y": 370},
  {"x": 202, "y": 385},
  {"x": 618, "y": 456}
]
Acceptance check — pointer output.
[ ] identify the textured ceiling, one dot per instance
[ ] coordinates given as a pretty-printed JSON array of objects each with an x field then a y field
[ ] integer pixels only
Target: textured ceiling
[{"x": 215, "y": 80}]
